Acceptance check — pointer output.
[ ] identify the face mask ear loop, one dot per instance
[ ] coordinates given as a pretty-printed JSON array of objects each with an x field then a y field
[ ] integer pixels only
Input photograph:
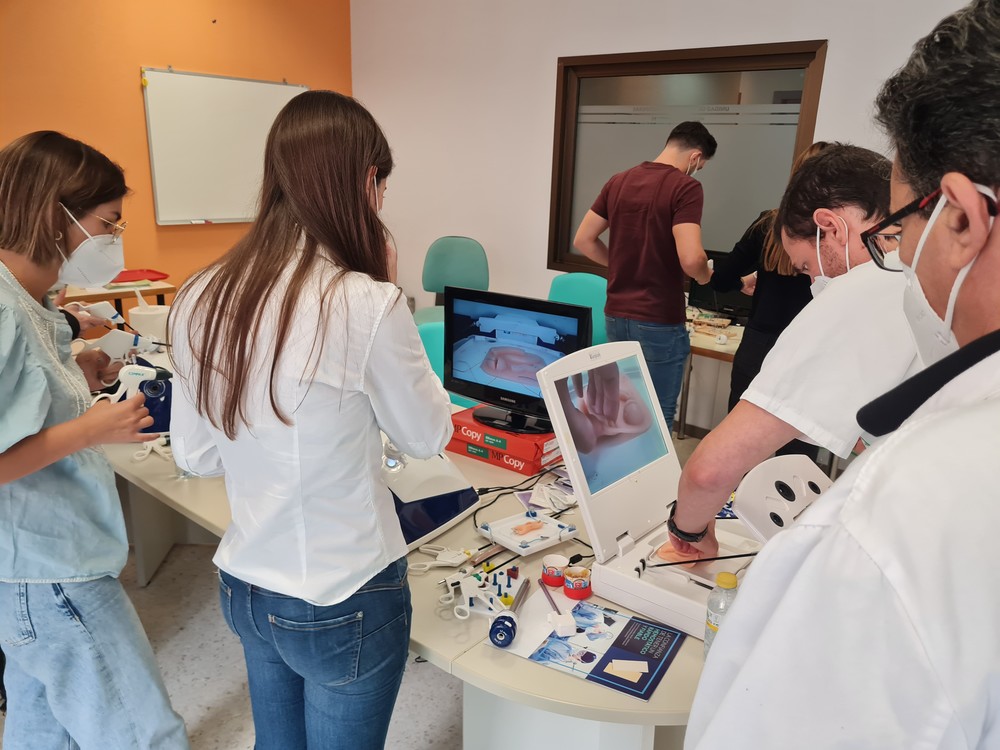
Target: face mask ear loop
[
  {"x": 847, "y": 244},
  {"x": 819, "y": 255},
  {"x": 927, "y": 230},
  {"x": 949, "y": 312},
  {"x": 73, "y": 219}
]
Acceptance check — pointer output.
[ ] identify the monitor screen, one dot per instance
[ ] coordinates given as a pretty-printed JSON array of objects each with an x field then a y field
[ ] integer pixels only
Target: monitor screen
[
  {"x": 733, "y": 304},
  {"x": 614, "y": 442},
  {"x": 611, "y": 446},
  {"x": 496, "y": 343}
]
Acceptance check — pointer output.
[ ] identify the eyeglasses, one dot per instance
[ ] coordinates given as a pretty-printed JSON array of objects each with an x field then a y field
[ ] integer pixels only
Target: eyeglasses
[
  {"x": 883, "y": 238},
  {"x": 116, "y": 229}
]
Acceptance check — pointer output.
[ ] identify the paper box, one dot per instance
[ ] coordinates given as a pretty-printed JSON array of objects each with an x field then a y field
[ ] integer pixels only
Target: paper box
[
  {"x": 502, "y": 458},
  {"x": 530, "y": 448}
]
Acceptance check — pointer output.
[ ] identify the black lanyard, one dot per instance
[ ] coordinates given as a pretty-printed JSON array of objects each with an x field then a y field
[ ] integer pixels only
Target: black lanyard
[{"x": 886, "y": 413}]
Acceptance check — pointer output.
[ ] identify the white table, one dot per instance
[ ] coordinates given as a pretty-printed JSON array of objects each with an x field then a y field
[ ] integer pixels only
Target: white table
[{"x": 508, "y": 700}]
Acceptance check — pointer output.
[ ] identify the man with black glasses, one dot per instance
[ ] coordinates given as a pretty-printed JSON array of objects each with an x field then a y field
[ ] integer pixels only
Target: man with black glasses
[
  {"x": 872, "y": 622},
  {"x": 831, "y": 360}
]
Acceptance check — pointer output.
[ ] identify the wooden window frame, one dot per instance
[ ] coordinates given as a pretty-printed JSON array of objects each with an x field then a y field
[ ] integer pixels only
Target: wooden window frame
[{"x": 809, "y": 56}]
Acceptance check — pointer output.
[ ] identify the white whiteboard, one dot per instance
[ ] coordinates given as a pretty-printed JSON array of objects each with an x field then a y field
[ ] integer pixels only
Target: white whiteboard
[{"x": 206, "y": 143}]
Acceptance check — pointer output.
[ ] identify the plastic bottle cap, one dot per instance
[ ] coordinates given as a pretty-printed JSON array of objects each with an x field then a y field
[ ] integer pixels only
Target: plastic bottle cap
[{"x": 726, "y": 580}]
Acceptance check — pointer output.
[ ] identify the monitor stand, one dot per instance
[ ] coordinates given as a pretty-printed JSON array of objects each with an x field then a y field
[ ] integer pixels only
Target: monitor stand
[{"x": 505, "y": 419}]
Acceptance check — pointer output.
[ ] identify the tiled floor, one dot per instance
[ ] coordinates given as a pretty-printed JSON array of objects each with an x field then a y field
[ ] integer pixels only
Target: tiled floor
[{"x": 202, "y": 662}]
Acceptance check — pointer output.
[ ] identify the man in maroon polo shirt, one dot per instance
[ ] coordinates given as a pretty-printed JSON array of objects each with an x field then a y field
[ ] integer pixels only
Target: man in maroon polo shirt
[{"x": 654, "y": 213}]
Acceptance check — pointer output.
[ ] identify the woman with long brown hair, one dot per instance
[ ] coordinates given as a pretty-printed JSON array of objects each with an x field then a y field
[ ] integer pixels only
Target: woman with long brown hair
[
  {"x": 80, "y": 671},
  {"x": 292, "y": 352}
]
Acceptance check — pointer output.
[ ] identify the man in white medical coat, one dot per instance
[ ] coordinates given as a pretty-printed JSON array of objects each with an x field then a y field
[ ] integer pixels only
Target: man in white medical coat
[
  {"x": 872, "y": 623},
  {"x": 846, "y": 347}
]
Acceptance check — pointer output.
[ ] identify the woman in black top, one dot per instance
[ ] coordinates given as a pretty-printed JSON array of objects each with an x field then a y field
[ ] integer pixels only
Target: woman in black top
[
  {"x": 779, "y": 293},
  {"x": 777, "y": 298}
]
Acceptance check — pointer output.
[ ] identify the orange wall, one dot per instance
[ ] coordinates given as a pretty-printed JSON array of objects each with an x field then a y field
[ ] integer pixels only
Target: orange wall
[{"x": 73, "y": 66}]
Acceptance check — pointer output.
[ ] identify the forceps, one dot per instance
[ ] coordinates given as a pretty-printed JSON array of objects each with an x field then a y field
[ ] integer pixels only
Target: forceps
[{"x": 444, "y": 557}]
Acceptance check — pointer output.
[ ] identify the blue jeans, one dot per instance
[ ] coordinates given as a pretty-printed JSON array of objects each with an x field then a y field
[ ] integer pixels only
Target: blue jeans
[
  {"x": 80, "y": 671},
  {"x": 665, "y": 347},
  {"x": 322, "y": 677}
]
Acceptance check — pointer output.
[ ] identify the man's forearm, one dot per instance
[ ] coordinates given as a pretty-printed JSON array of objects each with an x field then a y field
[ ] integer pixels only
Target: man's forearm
[
  {"x": 595, "y": 249},
  {"x": 747, "y": 436}
]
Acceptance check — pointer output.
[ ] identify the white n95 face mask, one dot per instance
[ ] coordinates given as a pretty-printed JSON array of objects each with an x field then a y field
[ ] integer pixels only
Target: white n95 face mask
[
  {"x": 95, "y": 261},
  {"x": 932, "y": 335}
]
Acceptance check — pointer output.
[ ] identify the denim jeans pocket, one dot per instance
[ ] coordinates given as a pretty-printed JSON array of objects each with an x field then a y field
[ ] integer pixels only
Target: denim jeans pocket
[
  {"x": 323, "y": 651},
  {"x": 15, "y": 619},
  {"x": 226, "y": 604}
]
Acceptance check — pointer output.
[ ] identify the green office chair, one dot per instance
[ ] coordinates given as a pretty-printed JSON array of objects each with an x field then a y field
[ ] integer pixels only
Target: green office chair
[
  {"x": 584, "y": 289},
  {"x": 432, "y": 336},
  {"x": 452, "y": 261}
]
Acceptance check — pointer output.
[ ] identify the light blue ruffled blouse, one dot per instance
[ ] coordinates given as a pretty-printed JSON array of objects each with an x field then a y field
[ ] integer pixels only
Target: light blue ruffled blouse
[{"x": 63, "y": 522}]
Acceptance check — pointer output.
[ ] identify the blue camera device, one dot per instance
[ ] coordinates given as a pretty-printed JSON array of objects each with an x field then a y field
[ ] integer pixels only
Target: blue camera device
[{"x": 155, "y": 384}]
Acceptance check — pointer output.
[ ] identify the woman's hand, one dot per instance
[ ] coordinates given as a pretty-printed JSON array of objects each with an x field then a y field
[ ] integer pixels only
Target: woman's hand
[
  {"x": 120, "y": 422},
  {"x": 98, "y": 368},
  {"x": 78, "y": 311},
  {"x": 749, "y": 284}
]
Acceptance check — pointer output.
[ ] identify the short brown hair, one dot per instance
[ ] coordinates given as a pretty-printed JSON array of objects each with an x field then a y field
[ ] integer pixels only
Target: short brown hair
[
  {"x": 841, "y": 175},
  {"x": 774, "y": 257},
  {"x": 40, "y": 170}
]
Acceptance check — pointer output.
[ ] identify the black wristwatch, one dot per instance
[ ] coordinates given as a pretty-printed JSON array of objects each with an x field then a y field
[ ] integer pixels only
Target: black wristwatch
[{"x": 684, "y": 536}]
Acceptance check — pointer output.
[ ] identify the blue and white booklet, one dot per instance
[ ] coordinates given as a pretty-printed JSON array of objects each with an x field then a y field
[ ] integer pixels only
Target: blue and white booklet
[{"x": 628, "y": 654}]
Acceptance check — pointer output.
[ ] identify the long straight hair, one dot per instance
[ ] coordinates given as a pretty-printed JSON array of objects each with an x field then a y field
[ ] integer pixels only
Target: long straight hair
[
  {"x": 774, "y": 257},
  {"x": 317, "y": 187}
]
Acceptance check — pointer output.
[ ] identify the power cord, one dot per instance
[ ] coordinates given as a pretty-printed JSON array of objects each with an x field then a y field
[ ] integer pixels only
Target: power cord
[{"x": 510, "y": 490}]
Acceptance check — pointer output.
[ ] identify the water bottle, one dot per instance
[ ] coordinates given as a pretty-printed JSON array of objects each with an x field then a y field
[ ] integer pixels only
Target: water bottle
[{"x": 719, "y": 602}]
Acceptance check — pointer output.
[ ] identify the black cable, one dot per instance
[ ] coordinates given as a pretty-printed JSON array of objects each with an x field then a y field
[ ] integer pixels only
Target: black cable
[{"x": 509, "y": 490}]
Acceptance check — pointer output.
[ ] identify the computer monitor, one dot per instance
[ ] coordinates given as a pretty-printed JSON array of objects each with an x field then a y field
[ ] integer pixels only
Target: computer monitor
[
  {"x": 494, "y": 344},
  {"x": 735, "y": 305}
]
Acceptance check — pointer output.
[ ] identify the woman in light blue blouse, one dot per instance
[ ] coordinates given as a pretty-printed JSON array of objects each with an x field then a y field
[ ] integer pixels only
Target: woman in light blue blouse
[{"x": 80, "y": 671}]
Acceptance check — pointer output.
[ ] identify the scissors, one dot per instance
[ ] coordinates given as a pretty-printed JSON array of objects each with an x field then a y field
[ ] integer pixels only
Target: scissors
[
  {"x": 160, "y": 446},
  {"x": 444, "y": 557}
]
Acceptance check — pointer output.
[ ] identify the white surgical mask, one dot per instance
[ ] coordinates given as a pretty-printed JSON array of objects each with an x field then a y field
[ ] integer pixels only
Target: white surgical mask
[
  {"x": 932, "y": 335},
  {"x": 95, "y": 261},
  {"x": 692, "y": 169}
]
